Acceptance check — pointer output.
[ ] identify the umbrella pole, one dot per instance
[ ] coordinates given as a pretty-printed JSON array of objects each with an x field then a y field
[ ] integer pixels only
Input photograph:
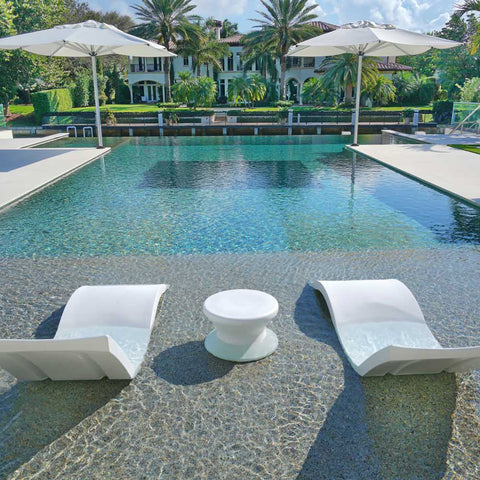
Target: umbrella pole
[
  {"x": 98, "y": 119},
  {"x": 357, "y": 100}
]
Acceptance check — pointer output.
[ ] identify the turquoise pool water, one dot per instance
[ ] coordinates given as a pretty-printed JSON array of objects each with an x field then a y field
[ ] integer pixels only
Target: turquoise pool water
[{"x": 233, "y": 195}]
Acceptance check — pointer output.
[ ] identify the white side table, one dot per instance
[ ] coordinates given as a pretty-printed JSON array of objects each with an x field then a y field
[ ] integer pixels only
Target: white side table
[{"x": 240, "y": 318}]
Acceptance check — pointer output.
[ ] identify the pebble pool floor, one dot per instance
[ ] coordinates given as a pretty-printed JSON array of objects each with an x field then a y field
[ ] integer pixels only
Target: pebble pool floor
[{"x": 162, "y": 211}]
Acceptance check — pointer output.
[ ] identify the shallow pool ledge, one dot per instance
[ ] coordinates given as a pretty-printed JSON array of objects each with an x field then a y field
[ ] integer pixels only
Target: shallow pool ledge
[
  {"x": 24, "y": 171},
  {"x": 450, "y": 170}
]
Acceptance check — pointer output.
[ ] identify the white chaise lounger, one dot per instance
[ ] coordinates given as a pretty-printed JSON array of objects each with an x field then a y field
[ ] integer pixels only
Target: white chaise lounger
[
  {"x": 103, "y": 332},
  {"x": 382, "y": 330}
]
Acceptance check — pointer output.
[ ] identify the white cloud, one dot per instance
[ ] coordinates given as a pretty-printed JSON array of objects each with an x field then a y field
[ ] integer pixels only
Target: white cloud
[
  {"x": 220, "y": 9},
  {"x": 419, "y": 15}
]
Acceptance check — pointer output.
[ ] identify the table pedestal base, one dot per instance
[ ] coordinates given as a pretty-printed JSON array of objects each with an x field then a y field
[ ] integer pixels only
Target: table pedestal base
[{"x": 242, "y": 353}]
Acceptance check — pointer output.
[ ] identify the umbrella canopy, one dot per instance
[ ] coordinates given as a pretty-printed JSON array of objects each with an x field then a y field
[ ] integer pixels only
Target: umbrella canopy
[
  {"x": 367, "y": 38},
  {"x": 86, "y": 39}
]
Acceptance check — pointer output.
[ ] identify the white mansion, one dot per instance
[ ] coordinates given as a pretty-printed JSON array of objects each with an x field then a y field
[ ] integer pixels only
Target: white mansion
[{"x": 146, "y": 76}]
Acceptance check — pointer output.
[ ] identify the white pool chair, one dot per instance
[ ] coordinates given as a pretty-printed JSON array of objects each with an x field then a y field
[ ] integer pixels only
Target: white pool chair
[
  {"x": 103, "y": 331},
  {"x": 382, "y": 330}
]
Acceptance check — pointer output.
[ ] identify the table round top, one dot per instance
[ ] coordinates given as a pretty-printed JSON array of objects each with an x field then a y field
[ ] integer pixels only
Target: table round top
[{"x": 241, "y": 304}]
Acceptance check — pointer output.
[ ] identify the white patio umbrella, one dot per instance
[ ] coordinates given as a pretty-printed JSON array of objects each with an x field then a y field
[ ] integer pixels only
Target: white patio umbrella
[
  {"x": 87, "y": 39},
  {"x": 367, "y": 38}
]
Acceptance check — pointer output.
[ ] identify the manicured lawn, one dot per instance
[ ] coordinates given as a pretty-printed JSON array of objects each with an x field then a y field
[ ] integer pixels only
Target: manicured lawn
[
  {"x": 140, "y": 108},
  {"x": 21, "y": 109},
  {"x": 468, "y": 148}
]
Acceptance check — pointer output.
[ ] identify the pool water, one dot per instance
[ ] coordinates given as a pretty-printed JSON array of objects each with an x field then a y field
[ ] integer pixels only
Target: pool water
[{"x": 236, "y": 195}]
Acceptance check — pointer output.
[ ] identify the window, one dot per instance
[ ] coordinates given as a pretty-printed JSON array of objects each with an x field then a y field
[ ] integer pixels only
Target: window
[
  {"x": 221, "y": 89},
  {"x": 140, "y": 64},
  {"x": 295, "y": 62},
  {"x": 257, "y": 66},
  {"x": 309, "y": 62},
  {"x": 185, "y": 61},
  {"x": 230, "y": 63},
  {"x": 239, "y": 61}
]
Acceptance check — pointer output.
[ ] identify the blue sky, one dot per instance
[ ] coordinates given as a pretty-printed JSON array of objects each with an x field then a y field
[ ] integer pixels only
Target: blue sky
[{"x": 419, "y": 15}]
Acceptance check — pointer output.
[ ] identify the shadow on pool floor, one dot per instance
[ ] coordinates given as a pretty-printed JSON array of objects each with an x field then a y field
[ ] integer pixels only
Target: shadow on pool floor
[
  {"x": 379, "y": 427},
  {"x": 35, "y": 414}
]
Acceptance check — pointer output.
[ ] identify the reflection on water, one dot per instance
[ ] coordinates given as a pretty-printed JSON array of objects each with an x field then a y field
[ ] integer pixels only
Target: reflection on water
[{"x": 233, "y": 195}]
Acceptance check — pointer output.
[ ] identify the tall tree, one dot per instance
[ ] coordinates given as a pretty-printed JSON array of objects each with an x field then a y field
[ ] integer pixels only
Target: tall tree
[
  {"x": 341, "y": 73},
  {"x": 228, "y": 28},
  {"x": 170, "y": 22},
  {"x": 283, "y": 23},
  {"x": 264, "y": 57},
  {"x": 205, "y": 49}
]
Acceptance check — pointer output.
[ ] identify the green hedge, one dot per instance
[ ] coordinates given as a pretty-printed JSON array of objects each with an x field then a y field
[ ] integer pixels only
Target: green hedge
[
  {"x": 2, "y": 117},
  {"x": 56, "y": 100}
]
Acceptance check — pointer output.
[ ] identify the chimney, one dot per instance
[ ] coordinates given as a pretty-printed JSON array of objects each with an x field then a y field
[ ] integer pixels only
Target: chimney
[{"x": 218, "y": 28}]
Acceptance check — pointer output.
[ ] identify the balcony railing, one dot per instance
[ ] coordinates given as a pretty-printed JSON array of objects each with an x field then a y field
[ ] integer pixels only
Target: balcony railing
[{"x": 145, "y": 68}]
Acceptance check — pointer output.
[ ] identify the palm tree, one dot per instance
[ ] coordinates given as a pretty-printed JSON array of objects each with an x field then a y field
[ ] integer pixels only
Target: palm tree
[
  {"x": 169, "y": 21},
  {"x": 263, "y": 57},
  {"x": 469, "y": 6},
  {"x": 206, "y": 51},
  {"x": 283, "y": 24},
  {"x": 383, "y": 91},
  {"x": 314, "y": 91},
  {"x": 246, "y": 89},
  {"x": 341, "y": 73}
]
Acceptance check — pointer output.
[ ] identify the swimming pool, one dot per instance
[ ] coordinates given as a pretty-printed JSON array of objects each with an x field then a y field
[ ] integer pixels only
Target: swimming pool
[
  {"x": 202, "y": 195},
  {"x": 206, "y": 214}
]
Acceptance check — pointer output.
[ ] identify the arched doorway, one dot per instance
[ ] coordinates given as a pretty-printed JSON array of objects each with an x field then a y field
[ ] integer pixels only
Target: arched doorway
[{"x": 293, "y": 92}]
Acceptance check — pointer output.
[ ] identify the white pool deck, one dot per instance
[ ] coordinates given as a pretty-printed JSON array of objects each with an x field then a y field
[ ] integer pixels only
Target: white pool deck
[
  {"x": 23, "y": 171},
  {"x": 454, "y": 171},
  {"x": 28, "y": 142},
  {"x": 439, "y": 138}
]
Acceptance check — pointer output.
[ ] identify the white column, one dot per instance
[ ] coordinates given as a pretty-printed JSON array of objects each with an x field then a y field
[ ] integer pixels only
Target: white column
[
  {"x": 357, "y": 99},
  {"x": 98, "y": 119},
  {"x": 130, "y": 87}
]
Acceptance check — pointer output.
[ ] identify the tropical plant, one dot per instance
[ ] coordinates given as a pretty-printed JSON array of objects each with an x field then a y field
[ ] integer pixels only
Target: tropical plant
[
  {"x": 383, "y": 91},
  {"x": 414, "y": 89},
  {"x": 195, "y": 92},
  {"x": 470, "y": 91},
  {"x": 470, "y": 6},
  {"x": 246, "y": 89},
  {"x": 341, "y": 73},
  {"x": 169, "y": 21},
  {"x": 182, "y": 90},
  {"x": 263, "y": 57},
  {"x": 205, "y": 92},
  {"x": 207, "y": 51},
  {"x": 228, "y": 28},
  {"x": 283, "y": 24},
  {"x": 315, "y": 92}
]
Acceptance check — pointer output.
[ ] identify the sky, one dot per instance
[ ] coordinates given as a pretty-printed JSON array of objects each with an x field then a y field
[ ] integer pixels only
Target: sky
[{"x": 418, "y": 15}]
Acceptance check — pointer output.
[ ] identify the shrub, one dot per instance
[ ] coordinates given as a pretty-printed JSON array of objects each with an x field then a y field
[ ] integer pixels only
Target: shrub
[
  {"x": 56, "y": 100},
  {"x": 470, "y": 92},
  {"x": 168, "y": 104},
  {"x": 442, "y": 111},
  {"x": 122, "y": 93},
  {"x": 80, "y": 91},
  {"x": 315, "y": 92},
  {"x": 283, "y": 103},
  {"x": 414, "y": 89}
]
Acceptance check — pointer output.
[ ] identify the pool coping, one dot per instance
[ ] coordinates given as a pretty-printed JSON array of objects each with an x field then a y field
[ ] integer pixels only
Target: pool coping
[
  {"x": 419, "y": 172},
  {"x": 26, "y": 180}
]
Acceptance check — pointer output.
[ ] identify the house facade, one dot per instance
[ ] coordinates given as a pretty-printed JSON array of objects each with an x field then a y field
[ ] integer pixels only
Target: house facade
[{"x": 146, "y": 76}]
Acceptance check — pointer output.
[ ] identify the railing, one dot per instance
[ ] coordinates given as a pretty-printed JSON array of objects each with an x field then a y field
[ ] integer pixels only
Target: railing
[
  {"x": 325, "y": 117},
  {"x": 465, "y": 116}
]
